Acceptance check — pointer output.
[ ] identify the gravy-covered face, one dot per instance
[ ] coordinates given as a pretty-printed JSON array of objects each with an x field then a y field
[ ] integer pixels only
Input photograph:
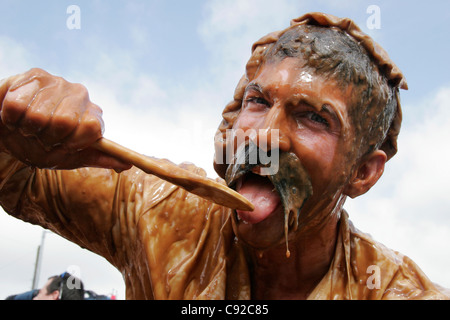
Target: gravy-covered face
[{"x": 310, "y": 112}]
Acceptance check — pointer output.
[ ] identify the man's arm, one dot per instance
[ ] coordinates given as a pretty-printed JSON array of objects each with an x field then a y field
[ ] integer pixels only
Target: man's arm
[
  {"x": 48, "y": 123},
  {"x": 87, "y": 206}
]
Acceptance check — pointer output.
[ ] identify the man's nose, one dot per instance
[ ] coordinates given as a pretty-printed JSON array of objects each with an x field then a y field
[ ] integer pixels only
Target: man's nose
[{"x": 274, "y": 131}]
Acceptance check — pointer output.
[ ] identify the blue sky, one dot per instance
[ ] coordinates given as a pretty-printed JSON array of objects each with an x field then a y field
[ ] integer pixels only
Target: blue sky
[{"x": 163, "y": 70}]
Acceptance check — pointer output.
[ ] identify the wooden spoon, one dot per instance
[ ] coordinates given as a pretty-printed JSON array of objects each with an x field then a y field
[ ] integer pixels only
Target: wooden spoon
[{"x": 196, "y": 184}]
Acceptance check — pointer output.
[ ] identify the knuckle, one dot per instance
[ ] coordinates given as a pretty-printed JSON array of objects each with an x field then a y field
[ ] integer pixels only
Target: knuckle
[
  {"x": 65, "y": 120},
  {"x": 34, "y": 121},
  {"x": 37, "y": 71},
  {"x": 96, "y": 109},
  {"x": 35, "y": 74},
  {"x": 44, "y": 79},
  {"x": 11, "y": 102},
  {"x": 12, "y": 109},
  {"x": 80, "y": 90}
]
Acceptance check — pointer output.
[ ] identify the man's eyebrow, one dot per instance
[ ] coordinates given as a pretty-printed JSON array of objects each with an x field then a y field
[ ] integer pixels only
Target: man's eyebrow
[
  {"x": 329, "y": 109},
  {"x": 318, "y": 105},
  {"x": 254, "y": 86}
]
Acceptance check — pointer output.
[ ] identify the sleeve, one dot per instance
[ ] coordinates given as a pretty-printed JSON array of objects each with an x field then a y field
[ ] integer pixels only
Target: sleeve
[{"x": 97, "y": 209}]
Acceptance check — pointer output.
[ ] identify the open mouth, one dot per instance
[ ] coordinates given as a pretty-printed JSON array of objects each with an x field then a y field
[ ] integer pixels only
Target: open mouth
[
  {"x": 288, "y": 188},
  {"x": 260, "y": 191}
]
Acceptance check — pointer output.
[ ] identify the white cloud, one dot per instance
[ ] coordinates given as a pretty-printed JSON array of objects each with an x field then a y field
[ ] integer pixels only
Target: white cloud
[
  {"x": 230, "y": 28},
  {"x": 14, "y": 57}
]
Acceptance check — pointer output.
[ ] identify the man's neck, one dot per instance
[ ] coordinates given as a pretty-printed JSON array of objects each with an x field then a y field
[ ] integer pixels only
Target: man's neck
[{"x": 275, "y": 276}]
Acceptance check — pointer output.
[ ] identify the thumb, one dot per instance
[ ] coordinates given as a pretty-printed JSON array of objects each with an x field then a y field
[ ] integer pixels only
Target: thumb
[{"x": 5, "y": 84}]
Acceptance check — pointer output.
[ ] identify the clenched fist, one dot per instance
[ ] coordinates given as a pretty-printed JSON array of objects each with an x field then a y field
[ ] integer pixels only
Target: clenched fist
[{"x": 47, "y": 122}]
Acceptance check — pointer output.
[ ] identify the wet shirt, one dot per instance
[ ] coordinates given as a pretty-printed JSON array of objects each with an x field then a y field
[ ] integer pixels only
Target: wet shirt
[{"x": 171, "y": 244}]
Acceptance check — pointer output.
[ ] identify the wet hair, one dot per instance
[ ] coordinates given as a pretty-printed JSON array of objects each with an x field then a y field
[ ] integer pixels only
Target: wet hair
[{"x": 333, "y": 53}]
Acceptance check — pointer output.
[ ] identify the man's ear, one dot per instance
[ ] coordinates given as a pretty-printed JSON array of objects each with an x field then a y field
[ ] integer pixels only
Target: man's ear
[
  {"x": 367, "y": 174},
  {"x": 55, "y": 295}
]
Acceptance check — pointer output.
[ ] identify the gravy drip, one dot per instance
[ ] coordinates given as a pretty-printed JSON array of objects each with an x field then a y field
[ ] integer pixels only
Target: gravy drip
[{"x": 294, "y": 186}]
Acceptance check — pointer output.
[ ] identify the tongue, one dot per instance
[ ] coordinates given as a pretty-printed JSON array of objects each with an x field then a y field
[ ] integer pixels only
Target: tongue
[{"x": 260, "y": 191}]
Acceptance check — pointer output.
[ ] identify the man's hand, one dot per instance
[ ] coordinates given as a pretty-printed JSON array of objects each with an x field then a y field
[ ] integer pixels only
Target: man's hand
[{"x": 48, "y": 122}]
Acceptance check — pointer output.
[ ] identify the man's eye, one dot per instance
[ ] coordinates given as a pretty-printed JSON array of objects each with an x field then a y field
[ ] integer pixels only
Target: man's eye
[
  {"x": 317, "y": 118},
  {"x": 258, "y": 100}
]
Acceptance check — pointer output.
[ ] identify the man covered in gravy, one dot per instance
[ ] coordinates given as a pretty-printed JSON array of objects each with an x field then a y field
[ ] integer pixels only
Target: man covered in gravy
[{"x": 323, "y": 91}]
